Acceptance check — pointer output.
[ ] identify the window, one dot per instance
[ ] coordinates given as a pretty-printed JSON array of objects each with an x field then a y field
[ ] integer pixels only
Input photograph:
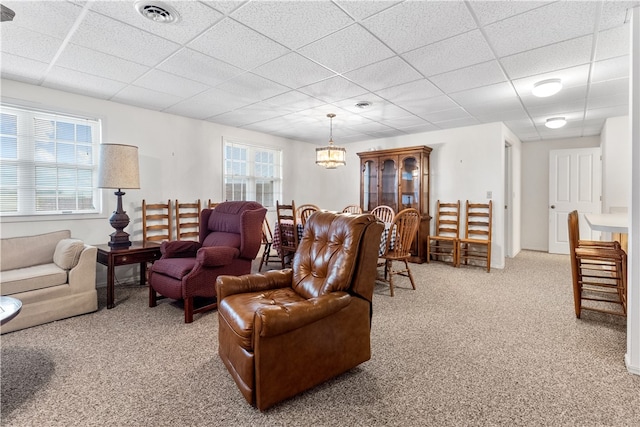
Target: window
[
  {"x": 47, "y": 163},
  {"x": 252, "y": 173}
]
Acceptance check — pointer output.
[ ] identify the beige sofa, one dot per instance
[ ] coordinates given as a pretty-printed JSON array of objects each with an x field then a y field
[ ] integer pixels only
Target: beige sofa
[{"x": 52, "y": 274}]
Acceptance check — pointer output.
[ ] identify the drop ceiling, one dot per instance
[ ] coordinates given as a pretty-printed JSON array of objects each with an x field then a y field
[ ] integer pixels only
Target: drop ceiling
[{"x": 280, "y": 67}]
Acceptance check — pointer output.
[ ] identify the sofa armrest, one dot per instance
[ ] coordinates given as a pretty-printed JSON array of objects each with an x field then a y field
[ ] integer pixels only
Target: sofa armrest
[
  {"x": 82, "y": 277},
  {"x": 273, "y": 279},
  {"x": 279, "y": 319}
]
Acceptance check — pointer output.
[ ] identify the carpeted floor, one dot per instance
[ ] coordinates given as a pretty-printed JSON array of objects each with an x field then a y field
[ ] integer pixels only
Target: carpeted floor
[{"x": 466, "y": 348}]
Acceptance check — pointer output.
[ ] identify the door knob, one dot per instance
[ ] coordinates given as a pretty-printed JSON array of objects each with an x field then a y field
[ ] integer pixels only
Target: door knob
[{"x": 553, "y": 206}]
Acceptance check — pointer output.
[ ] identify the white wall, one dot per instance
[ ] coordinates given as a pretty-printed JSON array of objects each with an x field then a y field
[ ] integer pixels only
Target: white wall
[
  {"x": 182, "y": 158},
  {"x": 616, "y": 168},
  {"x": 535, "y": 187}
]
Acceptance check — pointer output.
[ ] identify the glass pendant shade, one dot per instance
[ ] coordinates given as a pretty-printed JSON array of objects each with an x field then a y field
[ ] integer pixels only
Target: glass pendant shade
[{"x": 330, "y": 157}]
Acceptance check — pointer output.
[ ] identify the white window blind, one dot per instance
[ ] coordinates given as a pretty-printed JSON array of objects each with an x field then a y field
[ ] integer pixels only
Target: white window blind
[
  {"x": 252, "y": 173},
  {"x": 48, "y": 163}
]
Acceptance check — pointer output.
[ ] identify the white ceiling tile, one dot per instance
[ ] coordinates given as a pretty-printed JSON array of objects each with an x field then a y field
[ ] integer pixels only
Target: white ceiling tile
[
  {"x": 610, "y": 69},
  {"x": 614, "y": 13},
  {"x": 41, "y": 17},
  {"x": 207, "y": 104},
  {"x": 84, "y": 84},
  {"x": 193, "y": 19},
  {"x": 161, "y": 81},
  {"x": 427, "y": 106},
  {"x": 251, "y": 87},
  {"x": 450, "y": 54},
  {"x": 90, "y": 61},
  {"x": 428, "y": 127},
  {"x": 570, "y": 77},
  {"x": 293, "y": 101},
  {"x": 557, "y": 56},
  {"x": 560, "y": 108},
  {"x": 236, "y": 44},
  {"x": 409, "y": 93},
  {"x": 22, "y": 69},
  {"x": 545, "y": 25},
  {"x": 383, "y": 74},
  {"x": 360, "y": 10},
  {"x": 501, "y": 94},
  {"x": 569, "y": 95},
  {"x": 471, "y": 77},
  {"x": 223, "y": 6},
  {"x": 333, "y": 89},
  {"x": 492, "y": 11},
  {"x": 200, "y": 67},
  {"x": 293, "y": 26},
  {"x": 446, "y": 115},
  {"x": 29, "y": 44},
  {"x": 405, "y": 121},
  {"x": 489, "y": 116},
  {"x": 293, "y": 70},
  {"x": 508, "y": 108},
  {"x": 146, "y": 98},
  {"x": 606, "y": 112},
  {"x": 610, "y": 87},
  {"x": 613, "y": 42},
  {"x": 122, "y": 40},
  {"x": 246, "y": 115},
  {"x": 347, "y": 50},
  {"x": 412, "y": 24},
  {"x": 456, "y": 123}
]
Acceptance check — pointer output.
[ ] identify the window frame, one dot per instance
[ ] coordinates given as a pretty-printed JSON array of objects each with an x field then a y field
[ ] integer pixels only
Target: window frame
[
  {"x": 250, "y": 176},
  {"x": 30, "y": 112}
]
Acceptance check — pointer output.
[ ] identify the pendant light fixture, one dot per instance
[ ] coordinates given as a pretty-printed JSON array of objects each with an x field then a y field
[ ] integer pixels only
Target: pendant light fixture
[{"x": 331, "y": 156}]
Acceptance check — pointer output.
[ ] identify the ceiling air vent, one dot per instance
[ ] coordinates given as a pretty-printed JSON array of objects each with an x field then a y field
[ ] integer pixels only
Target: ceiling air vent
[
  {"x": 363, "y": 104},
  {"x": 157, "y": 12}
]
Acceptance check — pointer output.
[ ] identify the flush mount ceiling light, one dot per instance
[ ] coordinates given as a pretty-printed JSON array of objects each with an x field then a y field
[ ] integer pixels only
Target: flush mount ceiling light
[
  {"x": 555, "y": 122},
  {"x": 547, "y": 88},
  {"x": 363, "y": 104},
  {"x": 331, "y": 156},
  {"x": 157, "y": 11}
]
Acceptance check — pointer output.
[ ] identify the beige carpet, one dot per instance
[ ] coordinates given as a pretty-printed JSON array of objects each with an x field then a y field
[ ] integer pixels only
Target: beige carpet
[{"x": 466, "y": 348}]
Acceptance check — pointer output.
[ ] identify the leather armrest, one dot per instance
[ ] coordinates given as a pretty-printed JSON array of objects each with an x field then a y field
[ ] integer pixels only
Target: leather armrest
[
  {"x": 179, "y": 249},
  {"x": 279, "y": 319},
  {"x": 273, "y": 279},
  {"x": 216, "y": 256}
]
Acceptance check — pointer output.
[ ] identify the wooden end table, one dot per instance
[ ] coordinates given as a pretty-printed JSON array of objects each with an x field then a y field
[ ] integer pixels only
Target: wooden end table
[{"x": 138, "y": 252}]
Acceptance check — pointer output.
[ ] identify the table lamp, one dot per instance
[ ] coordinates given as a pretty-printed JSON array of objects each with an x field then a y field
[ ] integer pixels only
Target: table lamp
[{"x": 119, "y": 169}]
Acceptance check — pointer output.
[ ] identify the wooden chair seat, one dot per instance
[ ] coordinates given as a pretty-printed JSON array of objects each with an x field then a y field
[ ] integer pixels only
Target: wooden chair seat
[
  {"x": 444, "y": 244},
  {"x": 476, "y": 246}
]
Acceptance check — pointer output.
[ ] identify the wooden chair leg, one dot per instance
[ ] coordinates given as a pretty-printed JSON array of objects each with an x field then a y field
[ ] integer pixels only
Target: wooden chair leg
[
  {"x": 406, "y": 265},
  {"x": 388, "y": 269},
  {"x": 152, "y": 297},
  {"x": 188, "y": 310}
]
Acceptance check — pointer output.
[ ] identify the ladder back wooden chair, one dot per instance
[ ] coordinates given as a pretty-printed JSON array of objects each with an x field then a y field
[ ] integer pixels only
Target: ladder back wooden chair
[
  {"x": 401, "y": 233},
  {"x": 476, "y": 245},
  {"x": 157, "y": 222},
  {"x": 384, "y": 213},
  {"x": 300, "y": 208},
  {"x": 287, "y": 231},
  {"x": 188, "y": 220},
  {"x": 443, "y": 244},
  {"x": 212, "y": 205},
  {"x": 599, "y": 272},
  {"x": 267, "y": 241}
]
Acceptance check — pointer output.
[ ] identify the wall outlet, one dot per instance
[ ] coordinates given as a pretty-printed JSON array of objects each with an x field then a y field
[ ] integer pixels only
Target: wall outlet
[{"x": 489, "y": 194}]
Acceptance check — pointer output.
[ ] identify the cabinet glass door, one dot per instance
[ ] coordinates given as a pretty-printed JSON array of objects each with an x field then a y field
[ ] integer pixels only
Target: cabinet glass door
[
  {"x": 410, "y": 183},
  {"x": 389, "y": 183},
  {"x": 369, "y": 185}
]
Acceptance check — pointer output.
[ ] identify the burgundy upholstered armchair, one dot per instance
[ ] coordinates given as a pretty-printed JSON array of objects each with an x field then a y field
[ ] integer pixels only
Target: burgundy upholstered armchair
[
  {"x": 230, "y": 238},
  {"x": 284, "y": 331}
]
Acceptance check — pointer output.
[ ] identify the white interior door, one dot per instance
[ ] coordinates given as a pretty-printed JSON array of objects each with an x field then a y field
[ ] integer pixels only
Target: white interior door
[{"x": 575, "y": 182}]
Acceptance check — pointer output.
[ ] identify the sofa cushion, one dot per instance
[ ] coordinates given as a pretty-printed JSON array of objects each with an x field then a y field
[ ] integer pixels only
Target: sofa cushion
[
  {"x": 31, "y": 278},
  {"x": 40, "y": 249},
  {"x": 67, "y": 253}
]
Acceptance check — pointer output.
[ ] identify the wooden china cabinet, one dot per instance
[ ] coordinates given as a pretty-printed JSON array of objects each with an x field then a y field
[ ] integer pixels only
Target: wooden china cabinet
[{"x": 399, "y": 178}]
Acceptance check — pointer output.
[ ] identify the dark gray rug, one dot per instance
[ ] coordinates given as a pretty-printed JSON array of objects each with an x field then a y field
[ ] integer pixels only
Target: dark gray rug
[{"x": 466, "y": 348}]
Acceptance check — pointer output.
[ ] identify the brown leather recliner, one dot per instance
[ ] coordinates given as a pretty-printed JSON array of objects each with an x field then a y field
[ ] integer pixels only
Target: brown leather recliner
[{"x": 285, "y": 331}]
